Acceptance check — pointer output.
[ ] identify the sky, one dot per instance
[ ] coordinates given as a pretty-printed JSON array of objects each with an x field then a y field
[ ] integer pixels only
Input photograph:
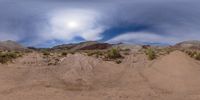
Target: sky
[{"x": 46, "y": 23}]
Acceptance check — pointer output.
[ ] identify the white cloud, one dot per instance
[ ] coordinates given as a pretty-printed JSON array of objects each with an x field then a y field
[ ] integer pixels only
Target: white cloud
[
  {"x": 147, "y": 37},
  {"x": 66, "y": 19},
  {"x": 67, "y": 24},
  {"x": 92, "y": 34}
]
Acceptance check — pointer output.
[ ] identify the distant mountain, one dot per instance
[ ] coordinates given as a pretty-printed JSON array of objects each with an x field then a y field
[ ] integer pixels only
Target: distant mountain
[
  {"x": 194, "y": 44},
  {"x": 10, "y": 45},
  {"x": 89, "y": 45}
]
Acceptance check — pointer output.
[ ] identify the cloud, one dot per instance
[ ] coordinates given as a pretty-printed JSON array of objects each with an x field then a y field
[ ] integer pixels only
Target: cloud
[
  {"x": 67, "y": 24},
  {"x": 7, "y": 36},
  {"x": 39, "y": 22},
  {"x": 147, "y": 37}
]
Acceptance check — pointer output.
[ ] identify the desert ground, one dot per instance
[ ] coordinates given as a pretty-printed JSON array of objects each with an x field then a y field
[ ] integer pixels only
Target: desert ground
[{"x": 77, "y": 76}]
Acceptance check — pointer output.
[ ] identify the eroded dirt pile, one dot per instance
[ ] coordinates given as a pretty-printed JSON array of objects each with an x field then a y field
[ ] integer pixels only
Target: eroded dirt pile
[
  {"x": 175, "y": 72},
  {"x": 79, "y": 70},
  {"x": 79, "y": 77},
  {"x": 74, "y": 72}
]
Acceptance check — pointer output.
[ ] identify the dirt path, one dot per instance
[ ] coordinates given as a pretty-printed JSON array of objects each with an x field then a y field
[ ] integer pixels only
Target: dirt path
[{"x": 78, "y": 77}]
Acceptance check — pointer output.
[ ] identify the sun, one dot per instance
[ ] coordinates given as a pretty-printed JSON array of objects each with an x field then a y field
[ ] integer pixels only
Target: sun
[{"x": 72, "y": 24}]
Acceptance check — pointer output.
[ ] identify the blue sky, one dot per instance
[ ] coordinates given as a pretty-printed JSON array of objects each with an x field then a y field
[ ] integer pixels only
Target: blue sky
[{"x": 45, "y": 23}]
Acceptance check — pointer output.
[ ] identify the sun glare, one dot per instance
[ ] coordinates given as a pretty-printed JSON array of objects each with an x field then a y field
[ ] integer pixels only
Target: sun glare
[{"x": 72, "y": 25}]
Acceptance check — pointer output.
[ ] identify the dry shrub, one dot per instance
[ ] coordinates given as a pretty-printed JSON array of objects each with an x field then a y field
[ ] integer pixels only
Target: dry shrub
[
  {"x": 64, "y": 54},
  {"x": 150, "y": 53},
  {"x": 6, "y": 57},
  {"x": 95, "y": 53},
  {"x": 193, "y": 54},
  {"x": 118, "y": 61},
  {"x": 46, "y": 53},
  {"x": 114, "y": 54},
  {"x": 197, "y": 56}
]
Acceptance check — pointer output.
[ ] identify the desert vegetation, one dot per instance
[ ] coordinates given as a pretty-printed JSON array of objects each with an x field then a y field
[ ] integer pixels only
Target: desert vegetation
[
  {"x": 118, "y": 61},
  {"x": 193, "y": 53},
  {"x": 95, "y": 53},
  {"x": 125, "y": 51},
  {"x": 114, "y": 54},
  {"x": 64, "y": 53},
  {"x": 9, "y": 56},
  {"x": 46, "y": 53},
  {"x": 165, "y": 50},
  {"x": 151, "y": 54},
  {"x": 154, "y": 52}
]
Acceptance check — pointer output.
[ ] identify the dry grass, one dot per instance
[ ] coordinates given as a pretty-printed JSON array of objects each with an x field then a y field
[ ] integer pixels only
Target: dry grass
[
  {"x": 95, "y": 53},
  {"x": 46, "y": 53},
  {"x": 114, "y": 54},
  {"x": 6, "y": 57},
  {"x": 193, "y": 53},
  {"x": 107, "y": 55},
  {"x": 118, "y": 61},
  {"x": 64, "y": 53},
  {"x": 151, "y": 54}
]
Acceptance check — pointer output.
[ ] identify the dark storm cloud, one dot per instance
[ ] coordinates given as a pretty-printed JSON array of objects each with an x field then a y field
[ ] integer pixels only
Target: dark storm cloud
[
  {"x": 28, "y": 21},
  {"x": 171, "y": 22}
]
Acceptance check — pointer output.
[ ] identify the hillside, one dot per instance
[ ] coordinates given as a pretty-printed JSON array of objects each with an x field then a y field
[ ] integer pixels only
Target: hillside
[
  {"x": 89, "y": 45},
  {"x": 10, "y": 45},
  {"x": 193, "y": 44}
]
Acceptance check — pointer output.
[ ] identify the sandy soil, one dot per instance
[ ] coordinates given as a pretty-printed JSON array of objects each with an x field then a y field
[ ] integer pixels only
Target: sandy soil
[{"x": 77, "y": 77}]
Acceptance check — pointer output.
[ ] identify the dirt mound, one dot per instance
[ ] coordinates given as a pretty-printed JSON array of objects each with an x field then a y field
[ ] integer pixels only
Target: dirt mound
[
  {"x": 10, "y": 45},
  {"x": 80, "y": 77},
  {"x": 79, "y": 69},
  {"x": 74, "y": 72},
  {"x": 175, "y": 72}
]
